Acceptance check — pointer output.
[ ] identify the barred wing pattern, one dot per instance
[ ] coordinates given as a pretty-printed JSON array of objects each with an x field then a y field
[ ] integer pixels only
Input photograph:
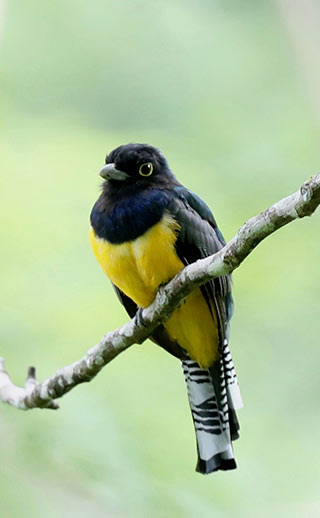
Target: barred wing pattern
[{"x": 213, "y": 398}]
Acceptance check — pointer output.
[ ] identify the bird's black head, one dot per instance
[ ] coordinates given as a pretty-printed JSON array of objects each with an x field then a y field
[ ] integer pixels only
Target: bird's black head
[{"x": 135, "y": 164}]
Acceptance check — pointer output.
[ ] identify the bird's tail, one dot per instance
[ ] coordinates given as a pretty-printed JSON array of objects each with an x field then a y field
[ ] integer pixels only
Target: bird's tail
[{"x": 214, "y": 396}]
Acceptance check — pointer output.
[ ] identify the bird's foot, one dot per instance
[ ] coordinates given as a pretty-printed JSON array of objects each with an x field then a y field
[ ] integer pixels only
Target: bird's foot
[
  {"x": 161, "y": 290},
  {"x": 162, "y": 293},
  {"x": 138, "y": 318}
]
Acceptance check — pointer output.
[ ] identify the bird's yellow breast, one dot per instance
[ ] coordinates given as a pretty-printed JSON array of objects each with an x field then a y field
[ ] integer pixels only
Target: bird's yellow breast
[{"x": 139, "y": 267}]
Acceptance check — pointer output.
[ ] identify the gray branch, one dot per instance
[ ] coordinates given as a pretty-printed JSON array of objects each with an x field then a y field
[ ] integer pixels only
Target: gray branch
[{"x": 43, "y": 395}]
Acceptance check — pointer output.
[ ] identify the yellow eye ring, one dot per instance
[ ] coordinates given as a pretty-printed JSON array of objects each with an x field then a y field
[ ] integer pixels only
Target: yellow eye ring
[{"x": 146, "y": 169}]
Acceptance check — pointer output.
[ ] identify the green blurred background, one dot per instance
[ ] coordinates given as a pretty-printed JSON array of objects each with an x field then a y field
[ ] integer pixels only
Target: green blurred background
[{"x": 230, "y": 92}]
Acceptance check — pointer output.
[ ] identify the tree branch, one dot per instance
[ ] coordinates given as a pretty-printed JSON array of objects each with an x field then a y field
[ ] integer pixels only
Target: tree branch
[{"x": 43, "y": 395}]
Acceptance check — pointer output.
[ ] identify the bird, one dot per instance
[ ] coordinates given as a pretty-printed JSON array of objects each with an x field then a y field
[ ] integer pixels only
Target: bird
[{"x": 146, "y": 227}]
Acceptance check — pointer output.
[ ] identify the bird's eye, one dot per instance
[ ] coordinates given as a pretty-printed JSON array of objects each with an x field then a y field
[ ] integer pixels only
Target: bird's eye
[{"x": 146, "y": 169}]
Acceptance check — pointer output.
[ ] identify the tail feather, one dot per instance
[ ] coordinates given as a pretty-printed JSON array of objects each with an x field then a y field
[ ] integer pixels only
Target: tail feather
[{"x": 214, "y": 396}]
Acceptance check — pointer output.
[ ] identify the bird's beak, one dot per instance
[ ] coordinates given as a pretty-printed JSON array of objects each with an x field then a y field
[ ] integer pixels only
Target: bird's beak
[{"x": 109, "y": 172}]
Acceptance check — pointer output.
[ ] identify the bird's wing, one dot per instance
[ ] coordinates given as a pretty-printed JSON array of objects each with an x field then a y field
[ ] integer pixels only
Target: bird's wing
[{"x": 199, "y": 237}]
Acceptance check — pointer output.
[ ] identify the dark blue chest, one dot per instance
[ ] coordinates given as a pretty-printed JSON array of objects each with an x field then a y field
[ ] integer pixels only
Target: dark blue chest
[{"x": 128, "y": 218}]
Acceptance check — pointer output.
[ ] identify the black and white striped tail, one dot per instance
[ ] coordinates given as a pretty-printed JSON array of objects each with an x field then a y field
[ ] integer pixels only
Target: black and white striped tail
[{"x": 214, "y": 396}]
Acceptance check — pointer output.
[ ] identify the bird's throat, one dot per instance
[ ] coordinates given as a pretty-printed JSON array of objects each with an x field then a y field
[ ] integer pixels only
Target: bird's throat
[{"x": 128, "y": 217}]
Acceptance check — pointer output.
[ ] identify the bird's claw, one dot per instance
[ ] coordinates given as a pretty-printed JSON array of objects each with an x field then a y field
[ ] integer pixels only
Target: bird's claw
[
  {"x": 138, "y": 318},
  {"x": 161, "y": 290}
]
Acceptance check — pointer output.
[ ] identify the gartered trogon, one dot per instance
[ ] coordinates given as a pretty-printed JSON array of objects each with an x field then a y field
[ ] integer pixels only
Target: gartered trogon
[{"x": 145, "y": 227}]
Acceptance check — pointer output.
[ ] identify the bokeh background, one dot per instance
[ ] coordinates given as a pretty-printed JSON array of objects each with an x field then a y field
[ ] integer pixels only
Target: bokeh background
[{"x": 230, "y": 92}]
